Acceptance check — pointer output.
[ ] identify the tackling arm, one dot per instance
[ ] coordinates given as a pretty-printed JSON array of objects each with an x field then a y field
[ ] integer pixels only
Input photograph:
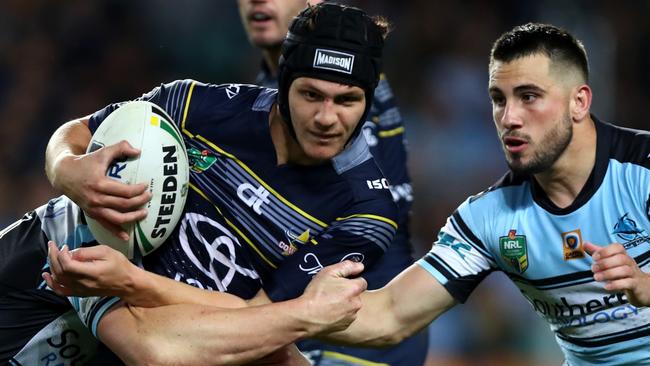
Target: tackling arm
[
  {"x": 197, "y": 333},
  {"x": 405, "y": 305}
]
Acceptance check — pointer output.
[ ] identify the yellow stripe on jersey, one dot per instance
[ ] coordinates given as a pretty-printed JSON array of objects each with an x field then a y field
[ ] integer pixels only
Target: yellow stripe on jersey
[
  {"x": 187, "y": 106},
  {"x": 391, "y": 133},
  {"x": 154, "y": 121},
  {"x": 241, "y": 234},
  {"x": 351, "y": 359},
  {"x": 260, "y": 181},
  {"x": 369, "y": 216}
]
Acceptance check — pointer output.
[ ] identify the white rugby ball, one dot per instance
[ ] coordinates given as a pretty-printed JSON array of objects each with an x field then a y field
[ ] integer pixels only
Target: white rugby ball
[{"x": 162, "y": 164}]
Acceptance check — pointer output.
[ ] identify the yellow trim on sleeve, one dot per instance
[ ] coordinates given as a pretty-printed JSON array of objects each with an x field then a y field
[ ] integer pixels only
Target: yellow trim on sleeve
[
  {"x": 369, "y": 216},
  {"x": 352, "y": 359},
  {"x": 391, "y": 133},
  {"x": 187, "y": 107}
]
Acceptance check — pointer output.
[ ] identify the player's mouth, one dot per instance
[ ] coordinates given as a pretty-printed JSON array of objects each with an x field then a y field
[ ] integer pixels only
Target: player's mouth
[
  {"x": 259, "y": 17},
  {"x": 324, "y": 138},
  {"x": 514, "y": 144}
]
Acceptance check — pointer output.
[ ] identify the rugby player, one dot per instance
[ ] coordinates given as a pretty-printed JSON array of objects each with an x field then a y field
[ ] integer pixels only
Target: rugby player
[
  {"x": 279, "y": 190},
  {"x": 568, "y": 224},
  {"x": 266, "y": 23}
]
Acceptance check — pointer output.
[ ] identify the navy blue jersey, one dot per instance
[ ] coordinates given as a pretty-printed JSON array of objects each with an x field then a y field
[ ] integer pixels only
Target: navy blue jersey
[
  {"x": 513, "y": 227},
  {"x": 285, "y": 222},
  {"x": 384, "y": 133}
]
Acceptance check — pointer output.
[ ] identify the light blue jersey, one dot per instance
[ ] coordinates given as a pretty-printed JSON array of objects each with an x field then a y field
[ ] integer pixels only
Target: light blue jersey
[{"x": 513, "y": 227}]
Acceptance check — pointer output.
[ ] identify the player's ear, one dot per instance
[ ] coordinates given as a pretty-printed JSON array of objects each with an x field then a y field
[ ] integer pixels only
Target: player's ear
[{"x": 580, "y": 102}]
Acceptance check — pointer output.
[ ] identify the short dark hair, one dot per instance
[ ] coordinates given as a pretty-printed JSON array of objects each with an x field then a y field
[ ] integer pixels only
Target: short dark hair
[{"x": 532, "y": 38}]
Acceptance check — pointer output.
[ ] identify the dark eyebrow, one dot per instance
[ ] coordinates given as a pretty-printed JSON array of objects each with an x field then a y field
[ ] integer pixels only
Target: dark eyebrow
[{"x": 529, "y": 88}]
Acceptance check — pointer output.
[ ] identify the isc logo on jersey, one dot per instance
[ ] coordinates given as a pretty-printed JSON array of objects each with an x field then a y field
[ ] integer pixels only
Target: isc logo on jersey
[{"x": 162, "y": 163}]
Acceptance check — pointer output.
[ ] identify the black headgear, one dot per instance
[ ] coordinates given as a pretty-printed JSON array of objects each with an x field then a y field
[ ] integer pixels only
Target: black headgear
[{"x": 335, "y": 43}]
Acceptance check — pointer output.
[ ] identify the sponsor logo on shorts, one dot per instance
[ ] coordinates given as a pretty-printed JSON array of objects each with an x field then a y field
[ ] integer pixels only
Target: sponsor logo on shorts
[
  {"x": 572, "y": 245},
  {"x": 514, "y": 250},
  {"x": 333, "y": 60}
]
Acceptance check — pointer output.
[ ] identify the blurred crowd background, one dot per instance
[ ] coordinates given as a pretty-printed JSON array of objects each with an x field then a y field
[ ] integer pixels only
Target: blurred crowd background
[{"x": 61, "y": 60}]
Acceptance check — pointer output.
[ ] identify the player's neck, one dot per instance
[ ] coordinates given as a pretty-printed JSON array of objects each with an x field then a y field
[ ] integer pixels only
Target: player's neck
[
  {"x": 271, "y": 58},
  {"x": 563, "y": 182}
]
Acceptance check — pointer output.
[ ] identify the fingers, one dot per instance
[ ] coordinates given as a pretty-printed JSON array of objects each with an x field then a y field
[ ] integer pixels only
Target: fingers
[
  {"x": 123, "y": 195},
  {"x": 120, "y": 150},
  {"x": 604, "y": 252}
]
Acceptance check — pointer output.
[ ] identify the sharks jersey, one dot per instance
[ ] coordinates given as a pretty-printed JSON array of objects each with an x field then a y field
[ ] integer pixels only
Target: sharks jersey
[
  {"x": 274, "y": 224},
  {"x": 37, "y": 326},
  {"x": 513, "y": 227}
]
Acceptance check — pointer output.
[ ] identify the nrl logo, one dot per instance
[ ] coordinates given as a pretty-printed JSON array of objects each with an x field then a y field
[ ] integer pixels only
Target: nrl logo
[
  {"x": 514, "y": 250},
  {"x": 333, "y": 60},
  {"x": 200, "y": 161}
]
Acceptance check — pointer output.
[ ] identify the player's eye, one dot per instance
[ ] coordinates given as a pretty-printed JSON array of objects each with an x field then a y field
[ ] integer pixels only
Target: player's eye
[{"x": 310, "y": 95}]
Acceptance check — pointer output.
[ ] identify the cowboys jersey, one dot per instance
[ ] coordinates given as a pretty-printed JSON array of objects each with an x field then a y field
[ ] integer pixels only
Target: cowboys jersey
[
  {"x": 384, "y": 133},
  {"x": 513, "y": 227},
  {"x": 276, "y": 224}
]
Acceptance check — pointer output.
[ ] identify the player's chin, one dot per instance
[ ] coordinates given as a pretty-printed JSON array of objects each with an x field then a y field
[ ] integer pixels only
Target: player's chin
[{"x": 323, "y": 152}]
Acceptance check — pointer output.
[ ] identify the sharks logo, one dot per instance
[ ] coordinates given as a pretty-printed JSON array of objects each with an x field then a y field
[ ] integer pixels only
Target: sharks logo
[{"x": 626, "y": 228}]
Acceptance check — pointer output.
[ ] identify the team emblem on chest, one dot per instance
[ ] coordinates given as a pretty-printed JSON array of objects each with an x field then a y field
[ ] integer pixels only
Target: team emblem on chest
[{"x": 514, "y": 250}]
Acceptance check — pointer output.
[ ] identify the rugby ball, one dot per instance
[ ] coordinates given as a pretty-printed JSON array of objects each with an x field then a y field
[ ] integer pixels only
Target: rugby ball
[{"x": 162, "y": 164}]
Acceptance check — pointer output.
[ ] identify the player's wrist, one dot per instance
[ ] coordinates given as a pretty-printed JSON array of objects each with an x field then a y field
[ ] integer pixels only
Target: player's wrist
[
  {"x": 62, "y": 164},
  {"x": 306, "y": 316}
]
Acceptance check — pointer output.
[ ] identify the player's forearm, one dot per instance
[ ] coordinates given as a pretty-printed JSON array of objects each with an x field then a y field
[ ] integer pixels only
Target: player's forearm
[
  {"x": 405, "y": 305},
  {"x": 68, "y": 140},
  {"x": 376, "y": 324},
  {"x": 201, "y": 335},
  {"x": 149, "y": 290}
]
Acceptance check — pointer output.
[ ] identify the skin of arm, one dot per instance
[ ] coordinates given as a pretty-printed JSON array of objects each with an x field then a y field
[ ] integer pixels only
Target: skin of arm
[
  {"x": 211, "y": 328},
  {"x": 408, "y": 303}
]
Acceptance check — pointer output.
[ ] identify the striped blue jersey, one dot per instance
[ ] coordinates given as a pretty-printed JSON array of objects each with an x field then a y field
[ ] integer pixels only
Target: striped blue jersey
[
  {"x": 285, "y": 222},
  {"x": 384, "y": 133},
  {"x": 513, "y": 227}
]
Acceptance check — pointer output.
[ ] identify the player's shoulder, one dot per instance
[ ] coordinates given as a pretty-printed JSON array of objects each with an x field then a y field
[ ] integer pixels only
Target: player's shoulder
[
  {"x": 223, "y": 95},
  {"x": 625, "y": 145},
  {"x": 356, "y": 166},
  {"x": 509, "y": 191}
]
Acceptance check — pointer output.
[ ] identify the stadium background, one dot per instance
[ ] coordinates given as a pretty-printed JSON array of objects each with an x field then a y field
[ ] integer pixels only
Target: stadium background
[{"x": 60, "y": 60}]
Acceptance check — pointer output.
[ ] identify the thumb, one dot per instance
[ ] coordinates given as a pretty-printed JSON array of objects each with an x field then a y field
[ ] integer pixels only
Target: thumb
[
  {"x": 347, "y": 268},
  {"x": 591, "y": 248},
  {"x": 88, "y": 254}
]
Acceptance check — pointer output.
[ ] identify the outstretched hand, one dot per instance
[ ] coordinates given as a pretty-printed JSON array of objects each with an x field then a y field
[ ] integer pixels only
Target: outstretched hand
[
  {"x": 110, "y": 202},
  {"x": 91, "y": 271},
  {"x": 619, "y": 272},
  {"x": 334, "y": 299}
]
